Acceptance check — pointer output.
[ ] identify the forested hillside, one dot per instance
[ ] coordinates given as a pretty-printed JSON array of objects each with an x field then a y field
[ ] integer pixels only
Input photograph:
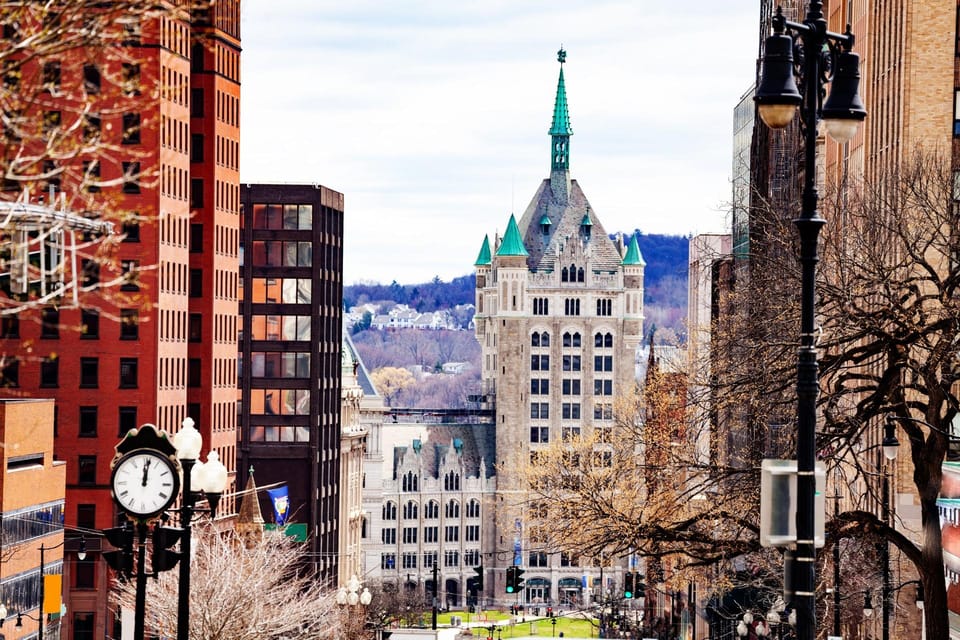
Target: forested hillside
[{"x": 665, "y": 293}]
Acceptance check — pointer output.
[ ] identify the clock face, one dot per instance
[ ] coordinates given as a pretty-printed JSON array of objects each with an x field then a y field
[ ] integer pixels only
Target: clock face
[{"x": 145, "y": 482}]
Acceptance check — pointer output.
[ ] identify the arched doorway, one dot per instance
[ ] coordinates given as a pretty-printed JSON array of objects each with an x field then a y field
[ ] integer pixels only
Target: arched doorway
[
  {"x": 537, "y": 591},
  {"x": 570, "y": 592},
  {"x": 452, "y": 593}
]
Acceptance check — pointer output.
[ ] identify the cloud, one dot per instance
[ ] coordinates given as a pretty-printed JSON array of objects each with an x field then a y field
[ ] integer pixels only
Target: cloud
[{"x": 432, "y": 116}]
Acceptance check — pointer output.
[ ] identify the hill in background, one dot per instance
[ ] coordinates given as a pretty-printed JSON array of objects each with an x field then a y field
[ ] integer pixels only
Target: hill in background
[{"x": 665, "y": 288}]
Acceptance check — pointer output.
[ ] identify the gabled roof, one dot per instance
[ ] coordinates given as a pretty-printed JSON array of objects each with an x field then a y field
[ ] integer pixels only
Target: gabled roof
[
  {"x": 484, "y": 258},
  {"x": 633, "y": 253},
  {"x": 512, "y": 244}
]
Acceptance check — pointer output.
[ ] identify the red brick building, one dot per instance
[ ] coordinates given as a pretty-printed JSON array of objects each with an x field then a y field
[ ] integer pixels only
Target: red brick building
[{"x": 162, "y": 345}]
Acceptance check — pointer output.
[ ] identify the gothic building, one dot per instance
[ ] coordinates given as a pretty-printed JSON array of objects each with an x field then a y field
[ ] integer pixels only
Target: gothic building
[{"x": 559, "y": 318}]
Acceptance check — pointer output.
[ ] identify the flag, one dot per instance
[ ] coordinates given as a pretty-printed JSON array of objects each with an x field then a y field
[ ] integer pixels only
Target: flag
[
  {"x": 51, "y": 593},
  {"x": 281, "y": 504}
]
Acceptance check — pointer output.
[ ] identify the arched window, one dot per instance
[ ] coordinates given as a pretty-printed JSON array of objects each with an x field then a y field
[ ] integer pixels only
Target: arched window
[
  {"x": 564, "y": 275},
  {"x": 410, "y": 510},
  {"x": 535, "y": 340},
  {"x": 453, "y": 509},
  {"x": 608, "y": 340},
  {"x": 544, "y": 339},
  {"x": 390, "y": 511},
  {"x": 410, "y": 482},
  {"x": 473, "y": 509},
  {"x": 432, "y": 510},
  {"x": 451, "y": 481},
  {"x": 580, "y": 274}
]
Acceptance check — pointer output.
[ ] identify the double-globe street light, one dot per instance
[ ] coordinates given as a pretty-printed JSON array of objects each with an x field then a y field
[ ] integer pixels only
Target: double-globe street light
[
  {"x": 209, "y": 478},
  {"x": 352, "y": 601},
  {"x": 778, "y": 98}
]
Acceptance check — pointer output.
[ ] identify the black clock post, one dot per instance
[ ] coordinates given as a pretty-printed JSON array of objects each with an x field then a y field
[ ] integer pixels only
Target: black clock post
[{"x": 144, "y": 482}]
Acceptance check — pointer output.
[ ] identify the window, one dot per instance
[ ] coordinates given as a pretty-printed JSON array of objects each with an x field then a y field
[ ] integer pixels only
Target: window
[
  {"x": 388, "y": 535},
  {"x": 451, "y": 481},
  {"x": 196, "y": 238},
  {"x": 571, "y": 363},
  {"x": 196, "y": 283},
  {"x": 541, "y": 306},
  {"x": 130, "y": 78},
  {"x": 89, "y": 373},
  {"x": 537, "y": 559},
  {"x": 196, "y": 193},
  {"x": 196, "y": 103},
  {"x": 451, "y": 534},
  {"x": 430, "y": 534},
  {"x": 10, "y": 326},
  {"x": 429, "y": 559},
  {"x": 471, "y": 558},
  {"x": 131, "y": 229},
  {"x": 411, "y": 481},
  {"x": 540, "y": 410},
  {"x": 603, "y": 411},
  {"x": 409, "y": 535},
  {"x": 131, "y": 128},
  {"x": 451, "y": 559},
  {"x": 571, "y": 386},
  {"x": 571, "y": 340},
  {"x": 88, "y": 422},
  {"x": 540, "y": 434},
  {"x": 539, "y": 386},
  {"x": 86, "y": 516},
  {"x": 603, "y": 363},
  {"x": 452, "y": 509},
  {"x": 50, "y": 372},
  {"x": 603, "y": 387},
  {"x": 50, "y": 323},
  {"x": 129, "y": 324},
  {"x": 91, "y": 78},
  {"x": 473, "y": 509},
  {"x": 603, "y": 340},
  {"x": 570, "y": 411},
  {"x": 87, "y": 469},
  {"x": 195, "y": 327},
  {"x": 128, "y": 373},
  {"x": 390, "y": 511},
  {"x": 604, "y": 307},
  {"x": 10, "y": 374},
  {"x": 410, "y": 510},
  {"x": 472, "y": 533},
  {"x": 51, "y": 77},
  {"x": 91, "y": 127},
  {"x": 539, "y": 363},
  {"x": 409, "y": 560},
  {"x": 89, "y": 324},
  {"x": 196, "y": 147},
  {"x": 432, "y": 510},
  {"x": 85, "y": 575},
  {"x": 131, "y": 177},
  {"x": 52, "y": 174},
  {"x": 388, "y": 560},
  {"x": 193, "y": 372},
  {"x": 571, "y": 306},
  {"x": 131, "y": 273},
  {"x": 127, "y": 419},
  {"x": 51, "y": 121}
]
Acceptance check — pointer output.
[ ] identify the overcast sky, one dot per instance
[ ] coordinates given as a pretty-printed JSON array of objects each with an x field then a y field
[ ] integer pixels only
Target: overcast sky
[{"x": 431, "y": 116}]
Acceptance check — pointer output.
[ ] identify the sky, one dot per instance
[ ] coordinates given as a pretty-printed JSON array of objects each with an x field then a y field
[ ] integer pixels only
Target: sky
[{"x": 431, "y": 116}]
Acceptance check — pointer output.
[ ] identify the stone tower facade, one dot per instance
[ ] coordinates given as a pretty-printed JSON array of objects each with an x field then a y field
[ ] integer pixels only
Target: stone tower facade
[{"x": 559, "y": 316}]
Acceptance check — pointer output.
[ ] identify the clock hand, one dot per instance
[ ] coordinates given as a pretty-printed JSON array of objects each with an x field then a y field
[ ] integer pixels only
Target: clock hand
[{"x": 146, "y": 468}]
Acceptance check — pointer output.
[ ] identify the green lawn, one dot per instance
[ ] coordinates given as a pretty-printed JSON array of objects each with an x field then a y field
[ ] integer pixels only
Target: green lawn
[{"x": 571, "y": 627}]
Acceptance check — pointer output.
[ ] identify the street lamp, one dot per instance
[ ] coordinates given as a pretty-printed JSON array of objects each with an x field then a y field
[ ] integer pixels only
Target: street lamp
[
  {"x": 778, "y": 98},
  {"x": 349, "y": 597},
  {"x": 81, "y": 555},
  {"x": 209, "y": 478}
]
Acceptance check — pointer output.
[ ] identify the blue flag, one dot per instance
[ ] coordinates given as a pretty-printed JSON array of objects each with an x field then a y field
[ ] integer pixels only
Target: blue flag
[{"x": 281, "y": 504}]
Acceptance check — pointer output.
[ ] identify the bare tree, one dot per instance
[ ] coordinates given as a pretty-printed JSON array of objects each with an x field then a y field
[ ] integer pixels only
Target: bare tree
[{"x": 240, "y": 592}]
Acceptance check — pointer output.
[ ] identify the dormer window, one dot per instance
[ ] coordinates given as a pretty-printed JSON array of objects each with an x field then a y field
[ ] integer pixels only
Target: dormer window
[
  {"x": 545, "y": 224},
  {"x": 586, "y": 226}
]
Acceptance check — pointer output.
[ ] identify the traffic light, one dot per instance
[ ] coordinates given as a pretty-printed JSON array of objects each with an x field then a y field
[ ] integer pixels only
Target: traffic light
[
  {"x": 514, "y": 581},
  {"x": 478, "y": 581},
  {"x": 120, "y": 560},
  {"x": 629, "y": 583},
  {"x": 163, "y": 558}
]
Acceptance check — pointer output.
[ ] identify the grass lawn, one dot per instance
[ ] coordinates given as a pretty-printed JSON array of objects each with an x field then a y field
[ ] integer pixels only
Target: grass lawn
[{"x": 570, "y": 627}]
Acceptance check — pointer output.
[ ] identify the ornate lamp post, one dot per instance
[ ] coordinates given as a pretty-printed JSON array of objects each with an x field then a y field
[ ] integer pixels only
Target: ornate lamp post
[
  {"x": 778, "y": 98},
  {"x": 349, "y": 598},
  {"x": 210, "y": 478}
]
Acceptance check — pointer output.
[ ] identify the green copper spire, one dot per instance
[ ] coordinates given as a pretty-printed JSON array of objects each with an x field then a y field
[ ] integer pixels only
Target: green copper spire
[
  {"x": 512, "y": 244},
  {"x": 484, "y": 258},
  {"x": 633, "y": 253},
  {"x": 560, "y": 131}
]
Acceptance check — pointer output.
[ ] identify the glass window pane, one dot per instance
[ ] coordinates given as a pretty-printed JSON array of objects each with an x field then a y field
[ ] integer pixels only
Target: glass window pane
[
  {"x": 304, "y": 254},
  {"x": 289, "y": 254},
  {"x": 306, "y": 216},
  {"x": 290, "y": 216}
]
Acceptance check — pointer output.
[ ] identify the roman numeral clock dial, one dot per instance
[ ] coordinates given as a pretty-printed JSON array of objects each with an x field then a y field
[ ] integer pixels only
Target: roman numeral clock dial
[{"x": 145, "y": 483}]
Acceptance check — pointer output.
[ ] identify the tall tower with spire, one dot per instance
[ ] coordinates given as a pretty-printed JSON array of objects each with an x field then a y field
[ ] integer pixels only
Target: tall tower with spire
[{"x": 559, "y": 317}]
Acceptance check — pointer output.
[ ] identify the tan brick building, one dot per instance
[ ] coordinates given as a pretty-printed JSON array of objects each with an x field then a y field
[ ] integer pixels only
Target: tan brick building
[{"x": 559, "y": 316}]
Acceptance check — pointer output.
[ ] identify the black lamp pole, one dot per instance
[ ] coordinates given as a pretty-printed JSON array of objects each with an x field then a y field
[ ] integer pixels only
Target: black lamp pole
[
  {"x": 186, "y": 517},
  {"x": 777, "y": 98},
  {"x": 885, "y": 561}
]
